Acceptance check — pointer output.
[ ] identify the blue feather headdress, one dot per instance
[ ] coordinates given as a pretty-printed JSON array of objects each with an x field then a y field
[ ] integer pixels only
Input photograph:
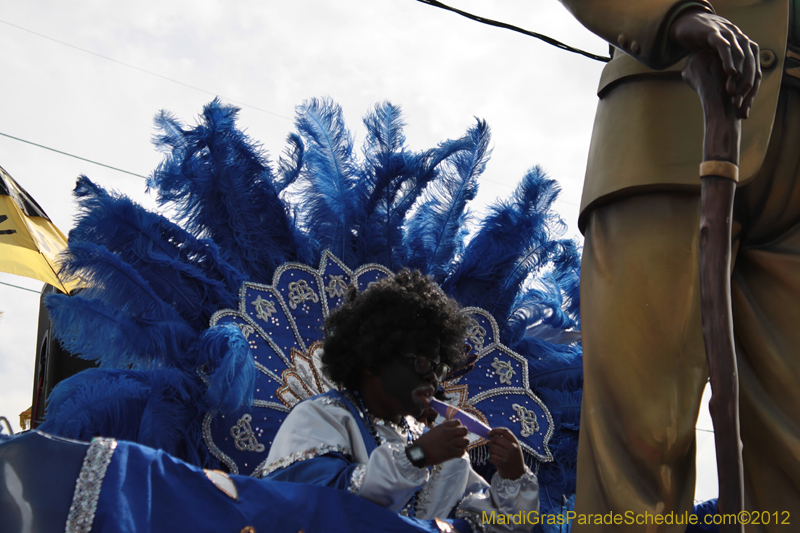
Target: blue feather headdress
[{"x": 153, "y": 284}]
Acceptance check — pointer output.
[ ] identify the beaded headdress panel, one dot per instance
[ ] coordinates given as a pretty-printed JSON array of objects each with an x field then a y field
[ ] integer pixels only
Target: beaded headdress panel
[{"x": 283, "y": 324}]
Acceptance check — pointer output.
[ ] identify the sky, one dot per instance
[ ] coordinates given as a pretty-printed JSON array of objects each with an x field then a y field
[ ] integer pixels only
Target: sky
[{"x": 86, "y": 77}]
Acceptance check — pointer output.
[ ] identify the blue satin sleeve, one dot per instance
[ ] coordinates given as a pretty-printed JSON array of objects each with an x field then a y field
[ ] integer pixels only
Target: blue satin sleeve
[
  {"x": 146, "y": 490},
  {"x": 333, "y": 469}
]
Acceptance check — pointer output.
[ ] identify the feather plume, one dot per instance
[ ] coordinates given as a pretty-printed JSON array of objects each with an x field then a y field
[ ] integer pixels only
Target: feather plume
[
  {"x": 419, "y": 170},
  {"x": 564, "y": 405},
  {"x": 436, "y": 233},
  {"x": 329, "y": 177},
  {"x": 221, "y": 187},
  {"x": 150, "y": 407},
  {"x": 552, "y": 366},
  {"x": 102, "y": 333},
  {"x": 557, "y": 478},
  {"x": 225, "y": 352},
  {"x": 291, "y": 163},
  {"x": 385, "y": 182},
  {"x": 546, "y": 306},
  {"x": 515, "y": 240},
  {"x": 114, "y": 281},
  {"x": 187, "y": 273},
  {"x": 170, "y": 411},
  {"x": 119, "y": 299},
  {"x": 570, "y": 282}
]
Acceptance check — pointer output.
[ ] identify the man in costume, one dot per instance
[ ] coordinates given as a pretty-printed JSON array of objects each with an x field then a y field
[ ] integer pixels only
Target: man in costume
[
  {"x": 644, "y": 361},
  {"x": 388, "y": 348}
]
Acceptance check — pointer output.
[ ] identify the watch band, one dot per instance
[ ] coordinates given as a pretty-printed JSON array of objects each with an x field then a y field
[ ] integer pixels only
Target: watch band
[{"x": 416, "y": 455}]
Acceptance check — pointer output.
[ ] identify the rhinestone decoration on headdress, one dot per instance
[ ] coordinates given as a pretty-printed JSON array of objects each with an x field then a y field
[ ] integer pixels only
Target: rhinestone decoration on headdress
[{"x": 283, "y": 324}]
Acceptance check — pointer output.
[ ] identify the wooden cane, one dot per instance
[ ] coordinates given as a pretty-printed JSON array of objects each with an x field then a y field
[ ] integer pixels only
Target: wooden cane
[{"x": 719, "y": 175}]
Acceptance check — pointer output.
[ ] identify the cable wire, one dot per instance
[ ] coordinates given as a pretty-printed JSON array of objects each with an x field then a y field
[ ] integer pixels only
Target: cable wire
[
  {"x": 545, "y": 38},
  {"x": 433, "y": 3},
  {"x": 18, "y": 287},
  {"x": 72, "y": 155}
]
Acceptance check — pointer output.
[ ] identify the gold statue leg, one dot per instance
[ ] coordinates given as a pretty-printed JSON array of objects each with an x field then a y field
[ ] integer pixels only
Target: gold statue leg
[
  {"x": 766, "y": 313},
  {"x": 644, "y": 362}
]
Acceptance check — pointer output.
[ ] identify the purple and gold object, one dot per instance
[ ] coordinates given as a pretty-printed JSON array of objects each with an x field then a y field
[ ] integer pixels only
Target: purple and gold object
[{"x": 472, "y": 424}]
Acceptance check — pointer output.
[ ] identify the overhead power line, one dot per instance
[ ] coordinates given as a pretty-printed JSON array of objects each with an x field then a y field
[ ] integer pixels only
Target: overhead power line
[
  {"x": 72, "y": 155},
  {"x": 545, "y": 38},
  {"x": 18, "y": 287},
  {"x": 151, "y": 73}
]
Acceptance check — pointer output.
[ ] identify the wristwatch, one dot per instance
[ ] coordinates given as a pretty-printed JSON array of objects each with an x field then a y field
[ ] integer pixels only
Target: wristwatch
[{"x": 416, "y": 455}]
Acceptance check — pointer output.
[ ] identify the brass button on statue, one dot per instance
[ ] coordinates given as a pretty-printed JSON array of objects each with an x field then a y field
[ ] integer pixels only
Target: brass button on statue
[
  {"x": 767, "y": 58},
  {"x": 622, "y": 40},
  {"x": 635, "y": 48}
]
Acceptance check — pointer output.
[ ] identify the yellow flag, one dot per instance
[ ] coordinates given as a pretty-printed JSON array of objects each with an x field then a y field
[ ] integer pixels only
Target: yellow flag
[{"x": 29, "y": 241}]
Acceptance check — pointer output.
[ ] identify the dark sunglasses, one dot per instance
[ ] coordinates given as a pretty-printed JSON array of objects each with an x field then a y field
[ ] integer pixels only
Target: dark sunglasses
[{"x": 423, "y": 366}]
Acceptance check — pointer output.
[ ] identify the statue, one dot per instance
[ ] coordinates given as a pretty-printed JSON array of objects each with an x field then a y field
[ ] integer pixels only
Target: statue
[{"x": 645, "y": 365}]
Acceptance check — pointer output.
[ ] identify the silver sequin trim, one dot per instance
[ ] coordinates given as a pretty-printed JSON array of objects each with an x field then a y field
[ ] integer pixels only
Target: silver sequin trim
[
  {"x": 473, "y": 520},
  {"x": 357, "y": 478},
  {"x": 283, "y": 462},
  {"x": 88, "y": 485},
  {"x": 406, "y": 511},
  {"x": 422, "y": 501},
  {"x": 515, "y": 484},
  {"x": 213, "y": 448},
  {"x": 329, "y": 400}
]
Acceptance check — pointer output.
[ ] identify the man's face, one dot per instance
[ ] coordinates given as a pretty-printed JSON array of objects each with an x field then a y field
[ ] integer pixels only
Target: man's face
[{"x": 407, "y": 391}]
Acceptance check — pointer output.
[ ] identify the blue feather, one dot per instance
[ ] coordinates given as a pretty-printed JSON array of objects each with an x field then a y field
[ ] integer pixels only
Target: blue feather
[
  {"x": 570, "y": 282},
  {"x": 108, "y": 277},
  {"x": 386, "y": 182},
  {"x": 289, "y": 167},
  {"x": 545, "y": 307},
  {"x": 436, "y": 233},
  {"x": 400, "y": 177},
  {"x": 225, "y": 353},
  {"x": 186, "y": 272},
  {"x": 419, "y": 170},
  {"x": 219, "y": 183},
  {"x": 171, "y": 410},
  {"x": 515, "y": 240},
  {"x": 124, "y": 304},
  {"x": 150, "y": 407},
  {"x": 557, "y": 478},
  {"x": 101, "y": 332},
  {"x": 329, "y": 177},
  {"x": 564, "y": 405}
]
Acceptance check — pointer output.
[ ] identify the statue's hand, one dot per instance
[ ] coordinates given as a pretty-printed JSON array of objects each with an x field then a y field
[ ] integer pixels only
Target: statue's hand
[{"x": 696, "y": 30}]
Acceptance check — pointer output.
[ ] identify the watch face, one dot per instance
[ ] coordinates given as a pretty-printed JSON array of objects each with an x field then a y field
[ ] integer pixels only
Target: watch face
[{"x": 416, "y": 454}]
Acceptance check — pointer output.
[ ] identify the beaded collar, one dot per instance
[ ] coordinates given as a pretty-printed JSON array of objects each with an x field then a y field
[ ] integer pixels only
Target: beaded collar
[{"x": 370, "y": 421}]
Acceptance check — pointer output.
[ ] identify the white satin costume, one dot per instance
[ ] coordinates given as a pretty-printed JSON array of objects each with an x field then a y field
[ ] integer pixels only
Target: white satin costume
[{"x": 325, "y": 441}]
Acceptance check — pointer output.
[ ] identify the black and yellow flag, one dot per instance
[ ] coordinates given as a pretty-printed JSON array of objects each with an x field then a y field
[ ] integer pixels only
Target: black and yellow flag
[{"x": 29, "y": 241}]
